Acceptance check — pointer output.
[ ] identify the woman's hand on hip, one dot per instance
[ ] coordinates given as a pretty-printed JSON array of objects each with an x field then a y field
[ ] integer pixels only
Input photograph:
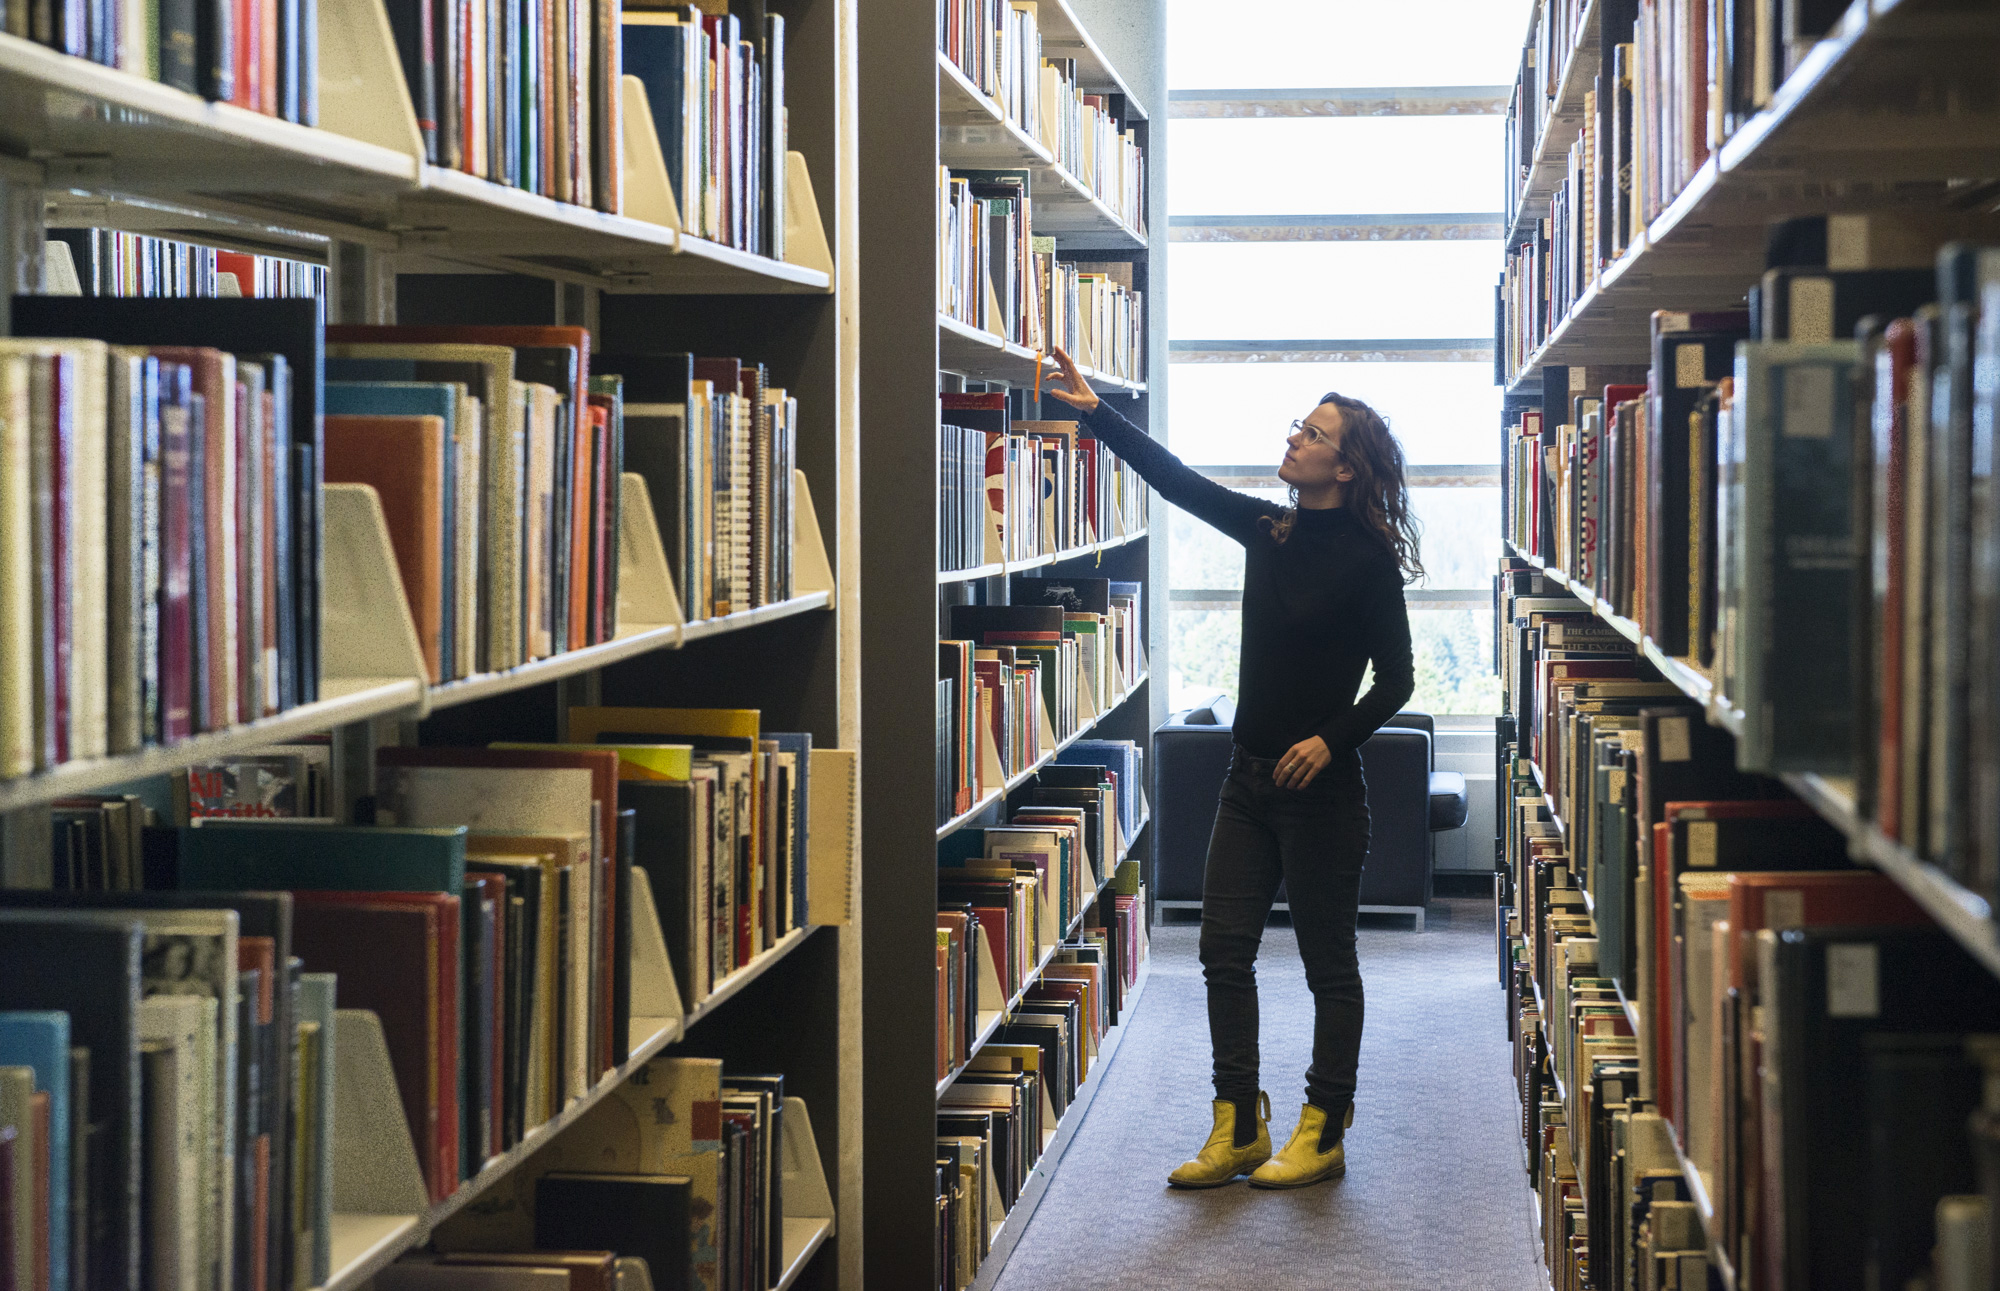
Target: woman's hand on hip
[
  {"x": 1079, "y": 395},
  {"x": 1302, "y": 763}
]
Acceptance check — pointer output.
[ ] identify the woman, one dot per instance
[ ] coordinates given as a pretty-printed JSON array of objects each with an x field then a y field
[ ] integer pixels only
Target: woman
[{"x": 1322, "y": 598}]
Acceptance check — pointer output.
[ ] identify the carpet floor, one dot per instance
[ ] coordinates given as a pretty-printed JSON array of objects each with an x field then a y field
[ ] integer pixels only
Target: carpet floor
[{"x": 1434, "y": 1196}]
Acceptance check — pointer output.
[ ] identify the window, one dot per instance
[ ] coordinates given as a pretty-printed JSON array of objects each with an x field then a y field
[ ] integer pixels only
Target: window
[{"x": 1339, "y": 237}]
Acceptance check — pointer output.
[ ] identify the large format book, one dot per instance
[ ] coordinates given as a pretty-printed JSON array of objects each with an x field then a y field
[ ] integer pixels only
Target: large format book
[
  {"x": 397, "y": 953},
  {"x": 404, "y": 460},
  {"x": 89, "y": 968},
  {"x": 647, "y": 1216}
]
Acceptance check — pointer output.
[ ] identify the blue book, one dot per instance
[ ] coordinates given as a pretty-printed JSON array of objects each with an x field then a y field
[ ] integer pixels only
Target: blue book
[
  {"x": 418, "y": 399},
  {"x": 656, "y": 53},
  {"x": 341, "y": 858},
  {"x": 40, "y": 1041}
]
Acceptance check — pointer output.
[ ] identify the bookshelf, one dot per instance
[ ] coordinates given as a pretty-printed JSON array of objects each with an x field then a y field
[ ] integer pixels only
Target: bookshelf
[
  {"x": 926, "y": 113},
  {"x": 86, "y": 145},
  {"x": 1872, "y": 123}
]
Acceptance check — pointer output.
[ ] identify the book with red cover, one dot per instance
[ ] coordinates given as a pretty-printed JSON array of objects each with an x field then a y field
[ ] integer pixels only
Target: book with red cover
[
  {"x": 604, "y": 517},
  {"x": 402, "y": 458},
  {"x": 397, "y": 953},
  {"x": 603, "y": 768}
]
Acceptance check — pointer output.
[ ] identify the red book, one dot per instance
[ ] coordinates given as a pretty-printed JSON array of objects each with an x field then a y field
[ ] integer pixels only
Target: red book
[
  {"x": 603, "y": 569},
  {"x": 402, "y": 459},
  {"x": 397, "y": 953},
  {"x": 1890, "y": 421},
  {"x": 242, "y": 267},
  {"x": 176, "y": 504}
]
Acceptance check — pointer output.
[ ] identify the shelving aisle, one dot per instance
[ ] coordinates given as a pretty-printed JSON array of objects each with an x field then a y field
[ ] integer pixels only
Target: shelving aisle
[
  {"x": 85, "y": 145},
  {"x": 1651, "y": 509},
  {"x": 924, "y": 113}
]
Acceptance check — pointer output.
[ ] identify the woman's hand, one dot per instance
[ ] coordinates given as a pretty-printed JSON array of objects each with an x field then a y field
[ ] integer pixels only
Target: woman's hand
[
  {"x": 1302, "y": 763},
  {"x": 1079, "y": 395}
]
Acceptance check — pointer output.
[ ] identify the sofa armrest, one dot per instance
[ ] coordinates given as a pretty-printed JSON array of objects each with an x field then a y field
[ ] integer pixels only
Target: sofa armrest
[{"x": 1448, "y": 806}]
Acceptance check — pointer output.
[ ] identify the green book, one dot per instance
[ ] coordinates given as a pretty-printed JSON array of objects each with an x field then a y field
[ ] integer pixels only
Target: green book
[{"x": 344, "y": 858}]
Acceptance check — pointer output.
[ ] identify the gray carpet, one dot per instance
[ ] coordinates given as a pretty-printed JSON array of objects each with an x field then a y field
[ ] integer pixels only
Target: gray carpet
[{"x": 1435, "y": 1196}]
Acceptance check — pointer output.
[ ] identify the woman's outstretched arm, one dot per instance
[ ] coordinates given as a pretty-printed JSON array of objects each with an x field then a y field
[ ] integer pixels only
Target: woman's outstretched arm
[{"x": 1235, "y": 514}]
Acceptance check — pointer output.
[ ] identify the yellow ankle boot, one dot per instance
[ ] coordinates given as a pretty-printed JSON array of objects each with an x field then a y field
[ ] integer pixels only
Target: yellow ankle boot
[
  {"x": 1301, "y": 1162},
  {"x": 1221, "y": 1160}
]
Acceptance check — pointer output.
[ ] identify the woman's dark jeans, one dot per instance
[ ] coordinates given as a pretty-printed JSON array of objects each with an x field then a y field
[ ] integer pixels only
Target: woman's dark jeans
[{"x": 1314, "y": 841}]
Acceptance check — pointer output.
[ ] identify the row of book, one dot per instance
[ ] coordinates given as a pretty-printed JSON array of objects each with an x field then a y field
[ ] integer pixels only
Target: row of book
[
  {"x": 682, "y": 1167},
  {"x": 1675, "y": 80},
  {"x": 262, "y": 55},
  {"x": 1802, "y": 516},
  {"x": 110, "y": 262},
  {"x": 996, "y": 274},
  {"x": 715, "y": 86},
  {"x": 1003, "y": 1105},
  {"x": 166, "y": 1091},
  {"x": 1014, "y": 489},
  {"x": 1017, "y": 680},
  {"x": 521, "y": 92},
  {"x": 1729, "y": 1041},
  {"x": 1022, "y": 885},
  {"x": 997, "y": 45},
  {"x": 717, "y": 445},
  {"x": 158, "y": 541},
  {"x": 520, "y": 862}
]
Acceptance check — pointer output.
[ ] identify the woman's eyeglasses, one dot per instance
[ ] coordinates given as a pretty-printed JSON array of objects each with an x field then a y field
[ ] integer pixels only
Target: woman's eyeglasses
[{"x": 1313, "y": 434}]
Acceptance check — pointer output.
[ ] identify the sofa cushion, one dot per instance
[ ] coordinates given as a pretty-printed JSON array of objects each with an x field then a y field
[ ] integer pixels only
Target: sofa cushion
[{"x": 1448, "y": 805}]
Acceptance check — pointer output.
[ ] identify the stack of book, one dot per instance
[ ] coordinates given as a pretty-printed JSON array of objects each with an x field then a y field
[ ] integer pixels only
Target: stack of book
[
  {"x": 255, "y": 54},
  {"x": 1674, "y": 81},
  {"x": 682, "y": 1166},
  {"x": 1017, "y": 680},
  {"x": 998, "y": 47},
  {"x": 715, "y": 86},
  {"x": 1097, "y": 316},
  {"x": 1731, "y": 1045},
  {"x": 108, "y": 262},
  {"x": 1048, "y": 486},
  {"x": 992, "y": 273},
  {"x": 717, "y": 445},
  {"x": 1552, "y": 40},
  {"x": 1004, "y": 1100},
  {"x": 166, "y": 1090},
  {"x": 159, "y": 553},
  {"x": 1791, "y": 504},
  {"x": 496, "y": 455}
]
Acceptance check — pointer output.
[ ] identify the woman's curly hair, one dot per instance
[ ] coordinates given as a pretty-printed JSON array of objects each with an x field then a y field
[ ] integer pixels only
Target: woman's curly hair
[{"x": 1378, "y": 493}]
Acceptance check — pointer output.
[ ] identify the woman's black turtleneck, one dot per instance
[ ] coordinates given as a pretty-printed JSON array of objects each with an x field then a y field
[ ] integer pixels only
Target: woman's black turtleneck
[{"x": 1317, "y": 608}]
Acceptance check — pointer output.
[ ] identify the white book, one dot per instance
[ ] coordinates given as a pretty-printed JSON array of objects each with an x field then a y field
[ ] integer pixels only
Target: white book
[{"x": 187, "y": 1224}]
